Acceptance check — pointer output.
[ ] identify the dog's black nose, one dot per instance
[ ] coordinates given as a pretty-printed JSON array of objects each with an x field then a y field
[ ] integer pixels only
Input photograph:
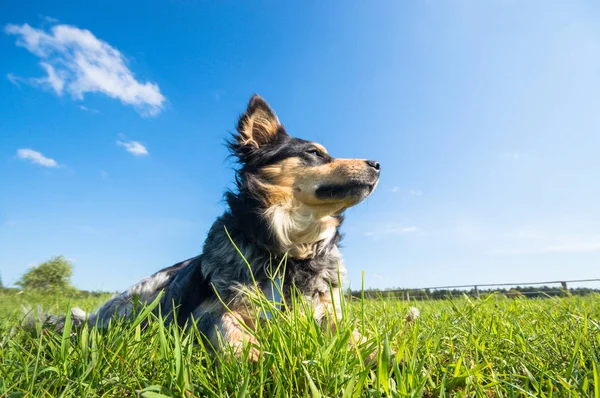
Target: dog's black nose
[{"x": 374, "y": 164}]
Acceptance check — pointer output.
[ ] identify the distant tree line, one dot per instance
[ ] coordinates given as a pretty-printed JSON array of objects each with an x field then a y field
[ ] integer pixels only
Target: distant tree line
[
  {"x": 440, "y": 294},
  {"x": 50, "y": 277},
  {"x": 54, "y": 277}
]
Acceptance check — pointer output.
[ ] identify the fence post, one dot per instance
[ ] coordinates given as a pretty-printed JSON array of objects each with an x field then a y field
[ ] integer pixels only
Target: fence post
[{"x": 476, "y": 292}]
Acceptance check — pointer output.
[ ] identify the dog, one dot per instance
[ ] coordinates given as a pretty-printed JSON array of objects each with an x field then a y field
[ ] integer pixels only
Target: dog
[{"x": 288, "y": 204}]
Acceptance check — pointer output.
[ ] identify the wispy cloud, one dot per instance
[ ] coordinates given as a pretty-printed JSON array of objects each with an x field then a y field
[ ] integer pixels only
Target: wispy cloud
[
  {"x": 564, "y": 247},
  {"x": 54, "y": 79},
  {"x": 84, "y": 108},
  {"x": 104, "y": 175},
  {"x": 573, "y": 247},
  {"x": 470, "y": 231},
  {"x": 77, "y": 62},
  {"x": 514, "y": 155},
  {"x": 543, "y": 240},
  {"x": 134, "y": 147},
  {"x": 50, "y": 19},
  {"x": 16, "y": 80},
  {"x": 413, "y": 192},
  {"x": 35, "y": 157},
  {"x": 393, "y": 230}
]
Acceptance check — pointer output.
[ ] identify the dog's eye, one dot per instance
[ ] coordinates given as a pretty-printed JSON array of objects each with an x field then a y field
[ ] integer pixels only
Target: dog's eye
[{"x": 315, "y": 152}]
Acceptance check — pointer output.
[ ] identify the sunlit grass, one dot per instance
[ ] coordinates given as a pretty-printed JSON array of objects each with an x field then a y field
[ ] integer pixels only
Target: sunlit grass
[{"x": 485, "y": 348}]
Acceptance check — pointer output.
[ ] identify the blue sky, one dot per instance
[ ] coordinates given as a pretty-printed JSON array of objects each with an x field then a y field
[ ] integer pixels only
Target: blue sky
[{"x": 484, "y": 116}]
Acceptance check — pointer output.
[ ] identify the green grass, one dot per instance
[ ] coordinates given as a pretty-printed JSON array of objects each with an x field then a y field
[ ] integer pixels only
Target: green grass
[{"x": 465, "y": 348}]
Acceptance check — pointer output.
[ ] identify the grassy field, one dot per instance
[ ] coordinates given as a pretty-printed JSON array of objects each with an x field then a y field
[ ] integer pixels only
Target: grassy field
[{"x": 487, "y": 348}]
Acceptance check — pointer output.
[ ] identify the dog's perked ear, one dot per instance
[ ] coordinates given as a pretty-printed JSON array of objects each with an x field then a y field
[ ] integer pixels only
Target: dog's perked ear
[{"x": 257, "y": 127}]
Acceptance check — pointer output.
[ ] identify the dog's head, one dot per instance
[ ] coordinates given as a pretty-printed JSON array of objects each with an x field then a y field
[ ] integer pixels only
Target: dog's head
[
  {"x": 300, "y": 187},
  {"x": 294, "y": 170}
]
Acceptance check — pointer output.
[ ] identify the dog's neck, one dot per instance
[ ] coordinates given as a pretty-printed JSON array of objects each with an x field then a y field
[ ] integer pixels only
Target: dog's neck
[
  {"x": 299, "y": 231},
  {"x": 307, "y": 247},
  {"x": 289, "y": 228}
]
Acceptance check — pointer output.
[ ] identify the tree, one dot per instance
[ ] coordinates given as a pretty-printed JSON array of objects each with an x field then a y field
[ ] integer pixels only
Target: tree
[{"x": 52, "y": 276}]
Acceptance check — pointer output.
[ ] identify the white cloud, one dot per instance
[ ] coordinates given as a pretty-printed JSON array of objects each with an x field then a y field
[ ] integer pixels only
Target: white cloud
[
  {"x": 564, "y": 247},
  {"x": 573, "y": 247},
  {"x": 544, "y": 239},
  {"x": 36, "y": 157},
  {"x": 14, "y": 79},
  {"x": 77, "y": 62},
  {"x": 84, "y": 108},
  {"x": 54, "y": 79},
  {"x": 134, "y": 147},
  {"x": 470, "y": 231},
  {"x": 393, "y": 230},
  {"x": 50, "y": 19},
  {"x": 531, "y": 234},
  {"x": 516, "y": 156},
  {"x": 413, "y": 192}
]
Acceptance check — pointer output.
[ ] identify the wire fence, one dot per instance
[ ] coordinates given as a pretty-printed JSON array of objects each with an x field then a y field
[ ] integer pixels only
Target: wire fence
[{"x": 510, "y": 290}]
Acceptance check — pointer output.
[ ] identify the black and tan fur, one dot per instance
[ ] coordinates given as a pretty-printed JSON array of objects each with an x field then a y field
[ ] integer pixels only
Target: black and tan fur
[{"x": 289, "y": 201}]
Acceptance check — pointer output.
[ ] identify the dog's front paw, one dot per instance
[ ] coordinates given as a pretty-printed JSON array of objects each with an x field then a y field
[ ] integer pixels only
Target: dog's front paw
[
  {"x": 376, "y": 356},
  {"x": 372, "y": 354}
]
